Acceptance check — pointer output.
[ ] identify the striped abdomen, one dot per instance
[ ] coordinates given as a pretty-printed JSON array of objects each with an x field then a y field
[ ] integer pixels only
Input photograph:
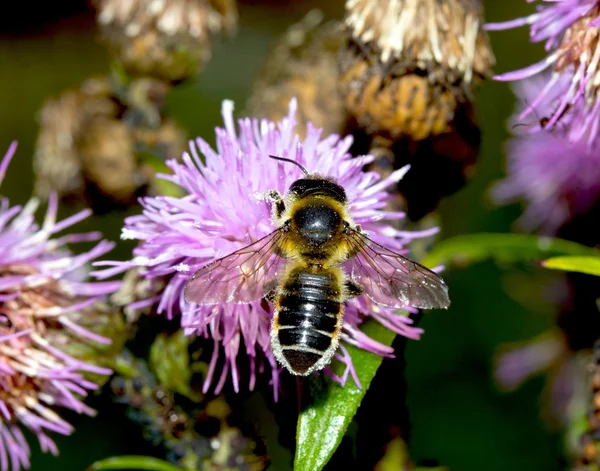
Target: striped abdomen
[{"x": 308, "y": 319}]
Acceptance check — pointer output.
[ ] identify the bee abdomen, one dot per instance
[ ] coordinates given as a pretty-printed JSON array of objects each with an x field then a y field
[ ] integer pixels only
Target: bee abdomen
[{"x": 306, "y": 329}]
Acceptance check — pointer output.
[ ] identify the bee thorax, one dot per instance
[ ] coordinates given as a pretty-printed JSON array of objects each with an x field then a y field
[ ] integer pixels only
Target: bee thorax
[{"x": 317, "y": 224}]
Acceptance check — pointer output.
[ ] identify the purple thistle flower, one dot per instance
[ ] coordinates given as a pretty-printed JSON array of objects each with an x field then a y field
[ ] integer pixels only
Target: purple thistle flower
[
  {"x": 554, "y": 177},
  {"x": 44, "y": 300},
  {"x": 225, "y": 209},
  {"x": 518, "y": 362},
  {"x": 571, "y": 32},
  {"x": 546, "y": 355}
]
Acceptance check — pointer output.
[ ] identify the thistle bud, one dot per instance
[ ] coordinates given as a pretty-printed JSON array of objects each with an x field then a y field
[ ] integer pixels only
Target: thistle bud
[{"x": 164, "y": 39}]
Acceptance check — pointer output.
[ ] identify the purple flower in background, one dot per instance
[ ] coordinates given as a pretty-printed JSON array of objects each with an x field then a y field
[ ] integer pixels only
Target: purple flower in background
[
  {"x": 546, "y": 355},
  {"x": 225, "y": 209},
  {"x": 555, "y": 178},
  {"x": 518, "y": 362},
  {"x": 570, "y": 30},
  {"x": 44, "y": 304}
]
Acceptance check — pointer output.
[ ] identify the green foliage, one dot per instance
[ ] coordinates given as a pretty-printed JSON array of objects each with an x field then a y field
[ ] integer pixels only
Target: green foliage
[
  {"x": 132, "y": 462},
  {"x": 323, "y": 422},
  {"x": 170, "y": 362},
  {"x": 107, "y": 322},
  {"x": 395, "y": 458},
  {"x": 471, "y": 248},
  {"x": 580, "y": 264}
]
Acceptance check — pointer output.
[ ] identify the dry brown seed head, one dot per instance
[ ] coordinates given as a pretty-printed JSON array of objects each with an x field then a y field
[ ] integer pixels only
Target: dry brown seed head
[
  {"x": 164, "y": 39},
  {"x": 302, "y": 64},
  {"x": 394, "y": 105},
  {"x": 91, "y": 139},
  {"x": 408, "y": 65},
  {"x": 426, "y": 33}
]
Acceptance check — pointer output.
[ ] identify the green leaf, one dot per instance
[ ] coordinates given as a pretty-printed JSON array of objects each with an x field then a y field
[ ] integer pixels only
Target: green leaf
[
  {"x": 131, "y": 462},
  {"x": 501, "y": 247},
  {"x": 580, "y": 264},
  {"x": 170, "y": 362},
  {"x": 323, "y": 423}
]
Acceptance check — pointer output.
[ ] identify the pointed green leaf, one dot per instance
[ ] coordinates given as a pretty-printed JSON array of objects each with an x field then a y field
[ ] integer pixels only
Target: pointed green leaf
[
  {"x": 501, "y": 247},
  {"x": 581, "y": 264},
  {"x": 323, "y": 423},
  {"x": 131, "y": 462}
]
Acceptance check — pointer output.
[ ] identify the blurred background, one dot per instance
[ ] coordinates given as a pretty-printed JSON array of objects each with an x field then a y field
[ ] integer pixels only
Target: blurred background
[{"x": 458, "y": 417}]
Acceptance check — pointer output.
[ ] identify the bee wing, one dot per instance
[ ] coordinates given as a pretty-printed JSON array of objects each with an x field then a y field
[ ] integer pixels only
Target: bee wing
[
  {"x": 391, "y": 279},
  {"x": 239, "y": 277}
]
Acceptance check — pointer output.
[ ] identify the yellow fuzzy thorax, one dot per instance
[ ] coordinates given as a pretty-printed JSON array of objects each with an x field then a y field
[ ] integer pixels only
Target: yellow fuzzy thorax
[{"x": 294, "y": 247}]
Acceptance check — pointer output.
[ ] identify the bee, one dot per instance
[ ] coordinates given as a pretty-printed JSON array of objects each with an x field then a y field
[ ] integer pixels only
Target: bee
[{"x": 314, "y": 261}]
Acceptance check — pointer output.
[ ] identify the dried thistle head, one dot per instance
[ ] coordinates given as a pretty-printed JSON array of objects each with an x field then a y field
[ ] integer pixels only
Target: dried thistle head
[
  {"x": 444, "y": 37},
  {"x": 164, "y": 39},
  {"x": 57, "y": 163},
  {"x": 409, "y": 64},
  {"x": 408, "y": 72},
  {"x": 95, "y": 141},
  {"x": 303, "y": 64}
]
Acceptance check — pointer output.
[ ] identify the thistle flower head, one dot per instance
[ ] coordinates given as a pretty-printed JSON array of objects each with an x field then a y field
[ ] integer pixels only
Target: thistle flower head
[
  {"x": 555, "y": 178},
  {"x": 570, "y": 30},
  {"x": 45, "y": 302},
  {"x": 225, "y": 209}
]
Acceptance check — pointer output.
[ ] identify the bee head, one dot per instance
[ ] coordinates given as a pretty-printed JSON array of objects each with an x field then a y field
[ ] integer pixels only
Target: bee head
[{"x": 314, "y": 185}]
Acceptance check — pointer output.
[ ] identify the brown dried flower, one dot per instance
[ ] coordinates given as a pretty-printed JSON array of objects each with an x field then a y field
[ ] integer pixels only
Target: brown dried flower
[
  {"x": 303, "y": 64},
  {"x": 409, "y": 64},
  {"x": 163, "y": 39},
  {"x": 408, "y": 72},
  {"x": 94, "y": 141}
]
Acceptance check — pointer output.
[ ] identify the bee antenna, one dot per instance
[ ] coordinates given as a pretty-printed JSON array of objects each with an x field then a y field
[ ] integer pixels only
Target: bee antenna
[{"x": 283, "y": 159}]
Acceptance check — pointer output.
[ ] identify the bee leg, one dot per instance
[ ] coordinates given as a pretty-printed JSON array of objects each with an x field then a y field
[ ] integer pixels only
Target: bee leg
[
  {"x": 352, "y": 289},
  {"x": 264, "y": 303},
  {"x": 278, "y": 204},
  {"x": 271, "y": 291}
]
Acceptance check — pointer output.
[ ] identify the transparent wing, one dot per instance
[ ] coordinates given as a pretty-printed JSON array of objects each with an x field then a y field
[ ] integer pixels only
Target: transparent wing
[
  {"x": 391, "y": 279},
  {"x": 240, "y": 277}
]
